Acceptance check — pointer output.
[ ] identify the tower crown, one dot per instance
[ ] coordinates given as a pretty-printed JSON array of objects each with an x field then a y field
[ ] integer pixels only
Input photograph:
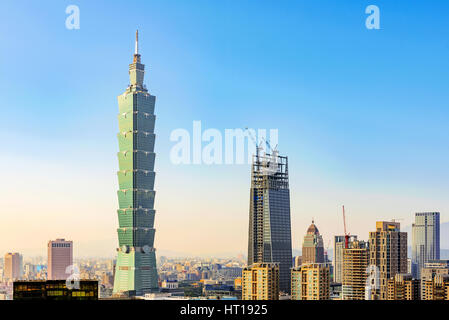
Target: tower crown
[
  {"x": 136, "y": 69},
  {"x": 313, "y": 229}
]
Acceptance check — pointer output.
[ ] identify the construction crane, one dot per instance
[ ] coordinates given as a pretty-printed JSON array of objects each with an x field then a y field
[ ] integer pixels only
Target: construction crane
[
  {"x": 346, "y": 233},
  {"x": 269, "y": 148},
  {"x": 258, "y": 148}
]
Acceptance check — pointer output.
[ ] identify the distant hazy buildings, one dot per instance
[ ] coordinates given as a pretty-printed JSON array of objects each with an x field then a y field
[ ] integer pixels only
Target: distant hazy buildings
[
  {"x": 298, "y": 261},
  {"x": 388, "y": 252},
  {"x": 339, "y": 244},
  {"x": 229, "y": 273},
  {"x": 13, "y": 266},
  {"x": 60, "y": 256},
  {"x": 354, "y": 273},
  {"x": 409, "y": 266},
  {"x": 311, "y": 282},
  {"x": 136, "y": 272},
  {"x": 403, "y": 287},
  {"x": 269, "y": 238},
  {"x": 425, "y": 240},
  {"x": 312, "y": 247},
  {"x": 260, "y": 282}
]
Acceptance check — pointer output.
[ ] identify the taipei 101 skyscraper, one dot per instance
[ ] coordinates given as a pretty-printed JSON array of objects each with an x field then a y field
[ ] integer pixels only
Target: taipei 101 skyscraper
[{"x": 135, "y": 270}]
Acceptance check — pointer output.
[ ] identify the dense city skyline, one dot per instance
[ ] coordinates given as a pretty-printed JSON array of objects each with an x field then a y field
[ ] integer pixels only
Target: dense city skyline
[{"x": 374, "y": 141}]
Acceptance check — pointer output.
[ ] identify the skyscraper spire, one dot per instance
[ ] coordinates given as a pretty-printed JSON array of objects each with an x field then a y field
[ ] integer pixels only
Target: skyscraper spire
[
  {"x": 136, "y": 272},
  {"x": 136, "y": 51}
]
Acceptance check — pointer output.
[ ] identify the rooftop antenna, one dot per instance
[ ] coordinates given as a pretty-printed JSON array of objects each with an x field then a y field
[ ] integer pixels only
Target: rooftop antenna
[{"x": 136, "y": 50}]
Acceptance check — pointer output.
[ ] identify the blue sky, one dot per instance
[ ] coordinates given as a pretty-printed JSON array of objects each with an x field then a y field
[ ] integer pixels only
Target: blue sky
[{"x": 362, "y": 114}]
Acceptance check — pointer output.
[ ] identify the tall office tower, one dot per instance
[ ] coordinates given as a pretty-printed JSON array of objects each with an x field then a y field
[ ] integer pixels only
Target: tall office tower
[
  {"x": 136, "y": 271},
  {"x": 13, "y": 266},
  {"x": 311, "y": 282},
  {"x": 269, "y": 239},
  {"x": 60, "y": 256},
  {"x": 339, "y": 245},
  {"x": 425, "y": 240},
  {"x": 312, "y": 247},
  {"x": 260, "y": 282},
  {"x": 431, "y": 269},
  {"x": 388, "y": 252},
  {"x": 403, "y": 287},
  {"x": 354, "y": 270}
]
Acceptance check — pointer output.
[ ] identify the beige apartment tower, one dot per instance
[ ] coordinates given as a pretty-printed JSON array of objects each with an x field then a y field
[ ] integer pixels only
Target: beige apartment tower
[
  {"x": 260, "y": 281},
  {"x": 13, "y": 266},
  {"x": 403, "y": 287},
  {"x": 354, "y": 273},
  {"x": 311, "y": 282},
  {"x": 60, "y": 257},
  {"x": 388, "y": 253}
]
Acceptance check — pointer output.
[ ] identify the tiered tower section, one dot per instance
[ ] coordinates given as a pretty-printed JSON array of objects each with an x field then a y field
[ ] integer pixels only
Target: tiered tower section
[{"x": 135, "y": 271}]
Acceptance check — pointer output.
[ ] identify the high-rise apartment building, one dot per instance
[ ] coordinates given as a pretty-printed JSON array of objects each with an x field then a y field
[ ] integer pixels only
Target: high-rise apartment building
[
  {"x": 13, "y": 266},
  {"x": 312, "y": 247},
  {"x": 136, "y": 271},
  {"x": 311, "y": 282},
  {"x": 388, "y": 252},
  {"x": 339, "y": 245},
  {"x": 60, "y": 257},
  {"x": 269, "y": 239},
  {"x": 260, "y": 282},
  {"x": 355, "y": 267},
  {"x": 403, "y": 287},
  {"x": 432, "y": 269},
  {"x": 425, "y": 240},
  {"x": 436, "y": 289}
]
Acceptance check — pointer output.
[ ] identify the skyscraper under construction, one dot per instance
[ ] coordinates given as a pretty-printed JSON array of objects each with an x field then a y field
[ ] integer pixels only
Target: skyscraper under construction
[{"x": 269, "y": 238}]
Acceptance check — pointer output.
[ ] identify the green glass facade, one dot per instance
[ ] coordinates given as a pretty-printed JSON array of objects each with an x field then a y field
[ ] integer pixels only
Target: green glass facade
[{"x": 135, "y": 271}]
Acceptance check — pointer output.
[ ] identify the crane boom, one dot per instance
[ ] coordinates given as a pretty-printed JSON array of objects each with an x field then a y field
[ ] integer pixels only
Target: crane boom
[{"x": 255, "y": 142}]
